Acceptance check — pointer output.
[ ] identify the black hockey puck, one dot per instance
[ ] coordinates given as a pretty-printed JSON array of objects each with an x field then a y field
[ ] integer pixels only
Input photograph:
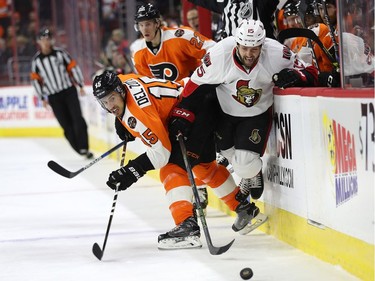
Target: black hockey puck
[{"x": 246, "y": 273}]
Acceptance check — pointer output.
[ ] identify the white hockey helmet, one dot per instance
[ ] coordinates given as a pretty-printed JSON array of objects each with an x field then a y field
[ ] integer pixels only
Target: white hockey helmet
[{"x": 250, "y": 33}]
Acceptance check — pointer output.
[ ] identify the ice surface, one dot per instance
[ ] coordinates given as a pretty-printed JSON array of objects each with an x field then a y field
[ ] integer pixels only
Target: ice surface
[{"x": 48, "y": 225}]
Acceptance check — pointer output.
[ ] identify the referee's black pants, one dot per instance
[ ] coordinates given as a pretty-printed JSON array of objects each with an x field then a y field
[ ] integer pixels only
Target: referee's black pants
[{"x": 67, "y": 110}]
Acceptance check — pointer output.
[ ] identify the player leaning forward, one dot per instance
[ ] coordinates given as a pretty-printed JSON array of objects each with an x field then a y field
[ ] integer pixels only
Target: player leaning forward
[
  {"x": 143, "y": 105},
  {"x": 243, "y": 70}
]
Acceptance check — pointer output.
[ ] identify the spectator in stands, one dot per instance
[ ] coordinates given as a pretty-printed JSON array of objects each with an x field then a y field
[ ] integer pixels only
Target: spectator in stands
[
  {"x": 193, "y": 18},
  {"x": 4, "y": 56},
  {"x": 5, "y": 13},
  {"x": 117, "y": 43}
]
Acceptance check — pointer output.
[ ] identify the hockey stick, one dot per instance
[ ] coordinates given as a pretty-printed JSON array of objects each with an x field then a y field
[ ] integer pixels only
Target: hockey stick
[
  {"x": 96, "y": 250},
  {"x": 130, "y": 63},
  {"x": 68, "y": 174},
  {"x": 307, "y": 33},
  {"x": 213, "y": 250},
  {"x": 331, "y": 29}
]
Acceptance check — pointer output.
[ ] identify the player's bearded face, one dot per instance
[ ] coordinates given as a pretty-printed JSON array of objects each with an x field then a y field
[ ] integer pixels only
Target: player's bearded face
[
  {"x": 148, "y": 28},
  {"x": 248, "y": 55},
  {"x": 115, "y": 103}
]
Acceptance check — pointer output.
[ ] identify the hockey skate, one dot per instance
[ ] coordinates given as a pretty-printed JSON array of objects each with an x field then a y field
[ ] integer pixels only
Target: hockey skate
[
  {"x": 248, "y": 217},
  {"x": 183, "y": 236},
  {"x": 86, "y": 153},
  {"x": 252, "y": 186}
]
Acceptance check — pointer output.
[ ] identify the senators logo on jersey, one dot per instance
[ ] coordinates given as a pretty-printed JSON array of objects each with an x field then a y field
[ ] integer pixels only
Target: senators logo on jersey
[
  {"x": 245, "y": 95},
  {"x": 255, "y": 136},
  {"x": 167, "y": 71}
]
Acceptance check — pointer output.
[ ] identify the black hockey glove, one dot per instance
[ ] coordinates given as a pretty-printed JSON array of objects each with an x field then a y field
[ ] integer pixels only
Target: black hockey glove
[
  {"x": 289, "y": 77},
  {"x": 122, "y": 132},
  {"x": 329, "y": 79},
  {"x": 125, "y": 176},
  {"x": 181, "y": 121}
]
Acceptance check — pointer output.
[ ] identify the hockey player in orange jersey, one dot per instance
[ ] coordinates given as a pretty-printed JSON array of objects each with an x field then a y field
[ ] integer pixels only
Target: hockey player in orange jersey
[
  {"x": 301, "y": 46},
  {"x": 143, "y": 106},
  {"x": 166, "y": 53},
  {"x": 310, "y": 52}
]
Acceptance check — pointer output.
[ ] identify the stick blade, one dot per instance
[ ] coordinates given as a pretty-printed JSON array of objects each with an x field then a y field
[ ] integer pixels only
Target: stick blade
[
  {"x": 98, "y": 253},
  {"x": 60, "y": 170},
  {"x": 219, "y": 250}
]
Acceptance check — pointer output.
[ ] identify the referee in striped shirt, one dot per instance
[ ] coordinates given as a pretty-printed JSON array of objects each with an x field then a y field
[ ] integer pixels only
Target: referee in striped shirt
[
  {"x": 234, "y": 11},
  {"x": 54, "y": 75}
]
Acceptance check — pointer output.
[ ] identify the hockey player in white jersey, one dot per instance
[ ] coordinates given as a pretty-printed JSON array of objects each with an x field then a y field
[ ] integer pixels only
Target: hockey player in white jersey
[{"x": 243, "y": 69}]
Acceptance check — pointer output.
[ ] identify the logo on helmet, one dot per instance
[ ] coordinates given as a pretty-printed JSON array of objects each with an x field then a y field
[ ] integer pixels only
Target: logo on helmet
[{"x": 250, "y": 33}]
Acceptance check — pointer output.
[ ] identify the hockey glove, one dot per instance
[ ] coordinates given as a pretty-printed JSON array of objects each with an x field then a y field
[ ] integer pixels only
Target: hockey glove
[
  {"x": 329, "y": 79},
  {"x": 181, "y": 121},
  {"x": 125, "y": 176},
  {"x": 289, "y": 77},
  {"x": 122, "y": 132}
]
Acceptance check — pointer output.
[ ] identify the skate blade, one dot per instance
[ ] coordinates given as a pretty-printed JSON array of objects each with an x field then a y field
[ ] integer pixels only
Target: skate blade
[
  {"x": 180, "y": 243},
  {"x": 260, "y": 219}
]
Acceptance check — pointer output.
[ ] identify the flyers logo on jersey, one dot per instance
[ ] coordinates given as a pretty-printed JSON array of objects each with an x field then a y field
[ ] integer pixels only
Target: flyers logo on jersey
[
  {"x": 167, "y": 71},
  {"x": 245, "y": 95}
]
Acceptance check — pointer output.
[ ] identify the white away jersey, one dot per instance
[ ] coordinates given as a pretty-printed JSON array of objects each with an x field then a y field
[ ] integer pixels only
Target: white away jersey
[{"x": 243, "y": 92}]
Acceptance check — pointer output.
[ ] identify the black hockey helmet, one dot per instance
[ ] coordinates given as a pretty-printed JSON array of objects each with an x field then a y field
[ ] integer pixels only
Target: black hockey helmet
[
  {"x": 106, "y": 83},
  {"x": 291, "y": 9},
  {"x": 320, "y": 2},
  {"x": 45, "y": 32},
  {"x": 146, "y": 12}
]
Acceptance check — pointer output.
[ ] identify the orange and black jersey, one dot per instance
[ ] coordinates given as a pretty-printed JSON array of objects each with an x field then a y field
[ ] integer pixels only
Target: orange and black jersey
[
  {"x": 322, "y": 31},
  {"x": 179, "y": 54},
  {"x": 148, "y": 104}
]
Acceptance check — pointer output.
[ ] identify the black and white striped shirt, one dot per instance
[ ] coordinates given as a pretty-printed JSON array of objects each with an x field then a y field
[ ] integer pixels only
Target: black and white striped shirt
[
  {"x": 55, "y": 72},
  {"x": 233, "y": 12}
]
